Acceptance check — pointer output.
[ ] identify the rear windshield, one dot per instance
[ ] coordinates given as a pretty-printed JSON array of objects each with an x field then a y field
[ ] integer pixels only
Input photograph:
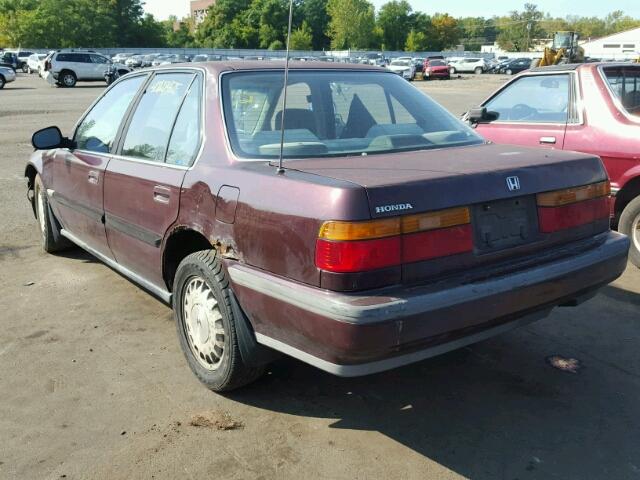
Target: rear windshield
[
  {"x": 334, "y": 113},
  {"x": 625, "y": 84}
]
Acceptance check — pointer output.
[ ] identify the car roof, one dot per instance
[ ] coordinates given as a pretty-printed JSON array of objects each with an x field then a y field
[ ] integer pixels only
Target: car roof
[{"x": 569, "y": 67}]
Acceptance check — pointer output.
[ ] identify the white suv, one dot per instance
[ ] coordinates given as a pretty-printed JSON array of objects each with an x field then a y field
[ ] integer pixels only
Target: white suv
[
  {"x": 65, "y": 68},
  {"x": 469, "y": 65}
]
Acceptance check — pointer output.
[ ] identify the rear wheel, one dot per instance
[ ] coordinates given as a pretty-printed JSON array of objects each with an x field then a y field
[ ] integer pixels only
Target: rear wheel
[
  {"x": 206, "y": 324},
  {"x": 452, "y": 71},
  {"x": 2, "y": 82},
  {"x": 25, "y": 68},
  {"x": 509, "y": 71},
  {"x": 67, "y": 79},
  {"x": 478, "y": 70},
  {"x": 629, "y": 224}
]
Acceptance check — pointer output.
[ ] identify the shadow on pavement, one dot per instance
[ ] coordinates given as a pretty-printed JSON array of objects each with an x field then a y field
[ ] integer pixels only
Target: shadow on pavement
[{"x": 493, "y": 410}]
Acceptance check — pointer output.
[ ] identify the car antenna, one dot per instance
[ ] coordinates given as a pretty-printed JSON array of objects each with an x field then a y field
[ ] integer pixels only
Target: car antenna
[{"x": 280, "y": 170}]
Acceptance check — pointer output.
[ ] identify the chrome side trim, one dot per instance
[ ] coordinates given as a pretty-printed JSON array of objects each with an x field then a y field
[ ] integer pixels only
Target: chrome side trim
[
  {"x": 395, "y": 362},
  {"x": 159, "y": 292}
]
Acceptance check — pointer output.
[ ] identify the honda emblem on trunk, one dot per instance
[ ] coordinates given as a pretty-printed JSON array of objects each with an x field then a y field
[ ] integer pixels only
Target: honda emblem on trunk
[{"x": 513, "y": 183}]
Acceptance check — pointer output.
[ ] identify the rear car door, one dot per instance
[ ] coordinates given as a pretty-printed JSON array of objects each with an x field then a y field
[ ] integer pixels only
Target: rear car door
[
  {"x": 532, "y": 110},
  {"x": 78, "y": 174},
  {"x": 143, "y": 182}
]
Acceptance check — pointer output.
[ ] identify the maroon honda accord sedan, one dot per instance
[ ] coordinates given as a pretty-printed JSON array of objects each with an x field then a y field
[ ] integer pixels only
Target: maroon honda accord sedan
[{"x": 393, "y": 233}]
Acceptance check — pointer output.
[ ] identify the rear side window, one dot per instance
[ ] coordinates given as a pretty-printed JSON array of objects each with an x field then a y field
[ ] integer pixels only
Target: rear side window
[
  {"x": 150, "y": 127},
  {"x": 625, "y": 85},
  {"x": 534, "y": 99},
  {"x": 185, "y": 138},
  {"x": 98, "y": 129}
]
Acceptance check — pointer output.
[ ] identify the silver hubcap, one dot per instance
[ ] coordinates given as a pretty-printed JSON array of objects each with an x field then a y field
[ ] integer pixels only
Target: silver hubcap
[
  {"x": 41, "y": 212},
  {"x": 635, "y": 232},
  {"x": 68, "y": 80},
  {"x": 203, "y": 323}
]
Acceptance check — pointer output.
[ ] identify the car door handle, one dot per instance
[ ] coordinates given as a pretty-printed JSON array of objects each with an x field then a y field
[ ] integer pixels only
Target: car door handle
[
  {"x": 93, "y": 177},
  {"x": 161, "y": 194},
  {"x": 548, "y": 140}
]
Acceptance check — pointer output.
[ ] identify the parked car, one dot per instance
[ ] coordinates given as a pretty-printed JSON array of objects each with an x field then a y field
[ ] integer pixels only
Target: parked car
[
  {"x": 434, "y": 68},
  {"x": 122, "y": 57},
  {"x": 10, "y": 60},
  {"x": 65, "y": 68},
  {"x": 405, "y": 68},
  {"x": 419, "y": 64},
  {"x": 35, "y": 62},
  {"x": 392, "y": 233},
  {"x": 468, "y": 65},
  {"x": 210, "y": 58},
  {"x": 592, "y": 108},
  {"x": 497, "y": 65},
  {"x": 514, "y": 66},
  {"x": 7, "y": 75},
  {"x": 134, "y": 61},
  {"x": 21, "y": 56}
]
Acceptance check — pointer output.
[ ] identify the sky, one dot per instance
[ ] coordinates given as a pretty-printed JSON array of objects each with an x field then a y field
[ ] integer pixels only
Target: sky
[{"x": 161, "y": 9}]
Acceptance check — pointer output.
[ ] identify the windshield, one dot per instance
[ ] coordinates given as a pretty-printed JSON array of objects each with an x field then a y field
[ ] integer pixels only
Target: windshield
[
  {"x": 402, "y": 63},
  {"x": 334, "y": 113}
]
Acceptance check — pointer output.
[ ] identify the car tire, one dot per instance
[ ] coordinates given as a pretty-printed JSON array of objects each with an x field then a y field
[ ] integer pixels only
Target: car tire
[
  {"x": 50, "y": 238},
  {"x": 29, "y": 71},
  {"x": 629, "y": 224},
  {"x": 25, "y": 68},
  {"x": 508, "y": 71},
  {"x": 67, "y": 79},
  {"x": 3, "y": 82},
  {"x": 478, "y": 71},
  {"x": 452, "y": 71},
  {"x": 201, "y": 289}
]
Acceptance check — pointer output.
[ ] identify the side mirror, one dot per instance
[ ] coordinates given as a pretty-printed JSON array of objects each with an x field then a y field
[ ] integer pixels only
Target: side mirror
[
  {"x": 49, "y": 138},
  {"x": 481, "y": 115}
]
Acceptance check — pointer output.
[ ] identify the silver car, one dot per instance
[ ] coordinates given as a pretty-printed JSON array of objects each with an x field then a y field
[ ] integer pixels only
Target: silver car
[{"x": 6, "y": 75}]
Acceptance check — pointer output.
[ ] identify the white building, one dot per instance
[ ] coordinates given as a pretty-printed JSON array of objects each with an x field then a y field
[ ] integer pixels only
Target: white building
[{"x": 618, "y": 46}]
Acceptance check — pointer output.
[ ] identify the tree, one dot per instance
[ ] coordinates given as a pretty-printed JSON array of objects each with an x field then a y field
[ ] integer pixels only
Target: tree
[
  {"x": 416, "y": 42},
  {"x": 221, "y": 28},
  {"x": 517, "y": 30},
  {"x": 314, "y": 12},
  {"x": 395, "y": 21},
  {"x": 181, "y": 36},
  {"x": 444, "y": 31},
  {"x": 351, "y": 24},
  {"x": 302, "y": 38}
]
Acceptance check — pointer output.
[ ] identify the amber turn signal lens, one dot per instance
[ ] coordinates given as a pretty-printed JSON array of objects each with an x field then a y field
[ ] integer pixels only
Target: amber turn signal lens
[
  {"x": 573, "y": 195},
  {"x": 343, "y": 231},
  {"x": 433, "y": 220}
]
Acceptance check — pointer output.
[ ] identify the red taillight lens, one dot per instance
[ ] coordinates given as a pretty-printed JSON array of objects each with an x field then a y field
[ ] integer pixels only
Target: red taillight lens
[
  {"x": 552, "y": 219},
  {"x": 357, "y": 256},
  {"x": 572, "y": 207},
  {"x": 373, "y": 244},
  {"x": 436, "y": 243}
]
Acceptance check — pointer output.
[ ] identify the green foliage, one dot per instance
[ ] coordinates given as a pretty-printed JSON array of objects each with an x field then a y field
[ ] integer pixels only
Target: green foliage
[
  {"x": 318, "y": 24},
  {"x": 518, "y": 30},
  {"x": 395, "y": 22},
  {"x": 416, "y": 42},
  {"x": 302, "y": 38},
  {"x": 351, "y": 24},
  {"x": 277, "y": 45}
]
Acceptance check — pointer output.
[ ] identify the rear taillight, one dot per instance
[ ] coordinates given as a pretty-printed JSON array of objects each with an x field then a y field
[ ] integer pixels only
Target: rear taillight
[
  {"x": 572, "y": 207},
  {"x": 362, "y": 246}
]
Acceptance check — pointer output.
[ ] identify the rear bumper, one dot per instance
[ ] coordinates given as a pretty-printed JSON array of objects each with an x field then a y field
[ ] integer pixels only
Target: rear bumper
[{"x": 368, "y": 332}]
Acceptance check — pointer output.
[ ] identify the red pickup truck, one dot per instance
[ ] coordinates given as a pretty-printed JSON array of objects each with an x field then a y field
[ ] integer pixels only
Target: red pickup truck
[
  {"x": 593, "y": 108},
  {"x": 392, "y": 233}
]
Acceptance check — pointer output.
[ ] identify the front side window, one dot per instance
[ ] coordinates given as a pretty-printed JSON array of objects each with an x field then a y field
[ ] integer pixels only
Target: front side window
[
  {"x": 625, "y": 85},
  {"x": 98, "y": 59},
  {"x": 534, "y": 99},
  {"x": 148, "y": 133},
  {"x": 334, "y": 113},
  {"x": 98, "y": 129}
]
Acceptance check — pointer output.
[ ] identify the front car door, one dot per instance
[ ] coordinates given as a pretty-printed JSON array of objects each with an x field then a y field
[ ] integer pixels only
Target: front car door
[
  {"x": 143, "y": 181},
  {"x": 533, "y": 110},
  {"x": 99, "y": 65},
  {"x": 77, "y": 182}
]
